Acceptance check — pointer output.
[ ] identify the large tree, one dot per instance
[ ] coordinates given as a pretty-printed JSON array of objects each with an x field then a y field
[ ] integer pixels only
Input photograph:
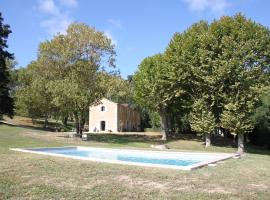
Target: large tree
[
  {"x": 244, "y": 52},
  {"x": 191, "y": 82},
  {"x": 6, "y": 101},
  {"x": 71, "y": 63},
  {"x": 227, "y": 64},
  {"x": 150, "y": 89}
]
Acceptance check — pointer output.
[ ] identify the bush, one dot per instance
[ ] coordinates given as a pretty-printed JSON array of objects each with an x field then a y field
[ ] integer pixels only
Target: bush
[{"x": 260, "y": 137}]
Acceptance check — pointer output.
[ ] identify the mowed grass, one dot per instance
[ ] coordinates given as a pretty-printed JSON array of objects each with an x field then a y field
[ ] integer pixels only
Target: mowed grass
[{"x": 32, "y": 176}]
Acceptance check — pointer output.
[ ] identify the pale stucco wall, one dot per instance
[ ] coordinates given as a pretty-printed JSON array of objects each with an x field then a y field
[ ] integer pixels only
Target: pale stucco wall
[{"x": 109, "y": 116}]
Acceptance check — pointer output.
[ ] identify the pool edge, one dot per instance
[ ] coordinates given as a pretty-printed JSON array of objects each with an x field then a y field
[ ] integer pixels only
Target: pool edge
[{"x": 186, "y": 168}]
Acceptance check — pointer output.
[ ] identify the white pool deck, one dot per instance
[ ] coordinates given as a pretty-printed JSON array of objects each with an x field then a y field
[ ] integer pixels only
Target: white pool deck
[{"x": 218, "y": 156}]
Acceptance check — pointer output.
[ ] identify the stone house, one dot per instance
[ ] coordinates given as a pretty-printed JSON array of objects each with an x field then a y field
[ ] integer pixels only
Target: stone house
[{"x": 109, "y": 116}]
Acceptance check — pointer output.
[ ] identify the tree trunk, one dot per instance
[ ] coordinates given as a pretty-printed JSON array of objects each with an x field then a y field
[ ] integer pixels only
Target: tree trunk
[
  {"x": 169, "y": 125},
  {"x": 46, "y": 121},
  {"x": 241, "y": 147},
  {"x": 163, "y": 127},
  {"x": 64, "y": 121},
  {"x": 82, "y": 122},
  {"x": 79, "y": 122},
  {"x": 80, "y": 128},
  {"x": 207, "y": 140},
  {"x": 77, "y": 126}
]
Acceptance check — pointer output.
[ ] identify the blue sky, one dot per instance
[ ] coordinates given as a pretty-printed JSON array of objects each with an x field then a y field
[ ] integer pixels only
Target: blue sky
[{"x": 138, "y": 28}]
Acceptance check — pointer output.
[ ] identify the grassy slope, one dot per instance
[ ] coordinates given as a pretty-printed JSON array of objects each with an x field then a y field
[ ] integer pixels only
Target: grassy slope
[{"x": 30, "y": 176}]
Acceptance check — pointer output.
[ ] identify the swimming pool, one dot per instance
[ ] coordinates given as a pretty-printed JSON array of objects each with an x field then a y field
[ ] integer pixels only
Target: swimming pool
[{"x": 164, "y": 159}]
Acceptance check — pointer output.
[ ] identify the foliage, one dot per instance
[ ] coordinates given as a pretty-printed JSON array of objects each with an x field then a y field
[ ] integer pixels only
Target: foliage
[
  {"x": 14, "y": 73},
  {"x": 262, "y": 114},
  {"x": 261, "y": 132},
  {"x": 202, "y": 119},
  {"x": 245, "y": 47},
  {"x": 116, "y": 88},
  {"x": 150, "y": 84},
  {"x": 33, "y": 96},
  {"x": 151, "y": 89},
  {"x": 216, "y": 72},
  {"x": 6, "y": 101},
  {"x": 65, "y": 78},
  {"x": 185, "y": 76},
  {"x": 154, "y": 120}
]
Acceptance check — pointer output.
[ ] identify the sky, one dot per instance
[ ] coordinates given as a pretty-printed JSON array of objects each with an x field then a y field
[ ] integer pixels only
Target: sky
[{"x": 138, "y": 28}]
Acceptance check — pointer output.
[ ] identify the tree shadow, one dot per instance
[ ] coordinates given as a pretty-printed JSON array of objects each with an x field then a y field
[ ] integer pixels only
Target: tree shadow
[
  {"x": 35, "y": 128},
  {"x": 124, "y": 139},
  {"x": 219, "y": 141},
  {"x": 250, "y": 148},
  {"x": 189, "y": 137}
]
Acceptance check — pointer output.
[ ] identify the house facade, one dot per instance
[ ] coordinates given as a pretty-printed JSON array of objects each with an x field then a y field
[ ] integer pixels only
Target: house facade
[{"x": 109, "y": 116}]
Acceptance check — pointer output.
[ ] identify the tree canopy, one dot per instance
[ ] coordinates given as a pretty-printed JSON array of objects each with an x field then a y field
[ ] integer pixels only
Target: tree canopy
[{"x": 6, "y": 101}]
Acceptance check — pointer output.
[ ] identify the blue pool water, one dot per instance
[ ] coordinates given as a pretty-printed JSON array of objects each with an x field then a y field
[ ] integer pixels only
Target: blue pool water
[
  {"x": 130, "y": 156},
  {"x": 158, "y": 161}
]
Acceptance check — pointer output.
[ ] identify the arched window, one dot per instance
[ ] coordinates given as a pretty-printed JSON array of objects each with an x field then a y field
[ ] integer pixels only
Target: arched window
[{"x": 102, "y": 108}]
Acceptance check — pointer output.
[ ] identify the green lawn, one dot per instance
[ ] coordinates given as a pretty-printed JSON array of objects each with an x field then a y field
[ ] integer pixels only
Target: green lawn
[{"x": 32, "y": 176}]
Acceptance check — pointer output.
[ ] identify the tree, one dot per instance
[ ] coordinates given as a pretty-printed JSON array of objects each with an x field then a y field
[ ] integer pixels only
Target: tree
[
  {"x": 33, "y": 97},
  {"x": 150, "y": 85},
  {"x": 202, "y": 120},
  {"x": 11, "y": 65},
  {"x": 227, "y": 65},
  {"x": 71, "y": 63},
  {"x": 192, "y": 80},
  {"x": 242, "y": 50},
  {"x": 6, "y": 101},
  {"x": 116, "y": 88}
]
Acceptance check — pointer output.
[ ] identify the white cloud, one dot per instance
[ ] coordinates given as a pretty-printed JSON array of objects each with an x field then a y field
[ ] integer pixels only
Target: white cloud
[
  {"x": 110, "y": 36},
  {"x": 116, "y": 23},
  {"x": 55, "y": 18},
  {"x": 69, "y": 3},
  {"x": 216, "y": 6},
  {"x": 56, "y": 25},
  {"x": 47, "y": 7}
]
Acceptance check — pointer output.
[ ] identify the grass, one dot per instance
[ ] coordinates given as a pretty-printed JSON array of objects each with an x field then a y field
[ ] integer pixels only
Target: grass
[
  {"x": 32, "y": 176},
  {"x": 52, "y": 124}
]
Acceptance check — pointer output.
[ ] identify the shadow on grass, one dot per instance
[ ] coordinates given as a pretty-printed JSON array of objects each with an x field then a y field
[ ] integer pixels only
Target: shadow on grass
[
  {"x": 125, "y": 139},
  {"x": 257, "y": 150},
  {"x": 148, "y": 139},
  {"x": 28, "y": 127},
  {"x": 215, "y": 141},
  {"x": 39, "y": 125}
]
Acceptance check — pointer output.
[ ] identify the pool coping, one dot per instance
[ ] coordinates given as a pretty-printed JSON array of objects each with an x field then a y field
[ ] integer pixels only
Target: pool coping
[{"x": 224, "y": 156}]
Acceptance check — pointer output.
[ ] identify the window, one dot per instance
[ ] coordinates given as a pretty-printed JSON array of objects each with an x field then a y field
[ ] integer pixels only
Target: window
[{"x": 102, "y": 108}]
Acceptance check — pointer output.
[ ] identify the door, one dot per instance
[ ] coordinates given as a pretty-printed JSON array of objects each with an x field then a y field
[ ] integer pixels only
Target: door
[{"x": 102, "y": 125}]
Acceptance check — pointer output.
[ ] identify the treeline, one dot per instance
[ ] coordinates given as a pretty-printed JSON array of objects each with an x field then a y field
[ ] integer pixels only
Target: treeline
[{"x": 213, "y": 77}]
